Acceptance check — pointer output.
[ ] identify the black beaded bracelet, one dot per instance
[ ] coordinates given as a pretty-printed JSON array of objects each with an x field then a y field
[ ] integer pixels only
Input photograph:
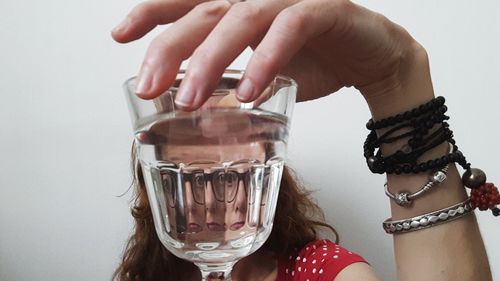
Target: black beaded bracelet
[
  {"x": 393, "y": 120},
  {"x": 405, "y": 160},
  {"x": 416, "y": 126}
]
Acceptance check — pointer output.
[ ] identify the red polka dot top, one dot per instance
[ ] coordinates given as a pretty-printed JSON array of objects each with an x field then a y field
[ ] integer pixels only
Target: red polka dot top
[{"x": 319, "y": 260}]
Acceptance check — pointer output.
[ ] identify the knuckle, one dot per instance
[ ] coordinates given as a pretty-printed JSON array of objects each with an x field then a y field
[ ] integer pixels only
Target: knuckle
[
  {"x": 161, "y": 45},
  {"x": 212, "y": 8},
  {"x": 265, "y": 60},
  {"x": 196, "y": 75},
  {"x": 147, "y": 63},
  {"x": 202, "y": 56},
  {"x": 243, "y": 11},
  {"x": 142, "y": 11},
  {"x": 294, "y": 20},
  {"x": 343, "y": 4}
]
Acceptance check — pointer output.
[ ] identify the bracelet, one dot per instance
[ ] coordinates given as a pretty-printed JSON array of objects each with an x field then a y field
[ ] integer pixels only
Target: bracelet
[
  {"x": 405, "y": 199},
  {"x": 424, "y": 127},
  {"x": 419, "y": 122},
  {"x": 428, "y": 220},
  {"x": 435, "y": 103}
]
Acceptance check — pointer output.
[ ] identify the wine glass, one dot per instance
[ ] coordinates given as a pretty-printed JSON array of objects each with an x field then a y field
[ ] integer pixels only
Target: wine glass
[{"x": 212, "y": 175}]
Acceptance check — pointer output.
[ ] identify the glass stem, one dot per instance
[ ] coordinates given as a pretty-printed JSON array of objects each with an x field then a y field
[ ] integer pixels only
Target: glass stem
[{"x": 212, "y": 272}]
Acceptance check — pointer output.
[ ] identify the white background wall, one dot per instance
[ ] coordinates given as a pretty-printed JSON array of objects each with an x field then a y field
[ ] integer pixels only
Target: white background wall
[{"x": 65, "y": 133}]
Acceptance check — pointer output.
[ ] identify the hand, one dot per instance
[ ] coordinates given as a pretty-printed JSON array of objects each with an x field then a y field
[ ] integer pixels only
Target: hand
[{"x": 323, "y": 44}]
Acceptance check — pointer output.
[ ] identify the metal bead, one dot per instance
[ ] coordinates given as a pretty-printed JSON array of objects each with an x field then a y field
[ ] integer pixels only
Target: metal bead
[
  {"x": 392, "y": 228},
  {"x": 402, "y": 199},
  {"x": 371, "y": 162},
  {"x": 433, "y": 219},
  {"x": 473, "y": 178},
  {"x": 438, "y": 177},
  {"x": 443, "y": 216},
  {"x": 415, "y": 224}
]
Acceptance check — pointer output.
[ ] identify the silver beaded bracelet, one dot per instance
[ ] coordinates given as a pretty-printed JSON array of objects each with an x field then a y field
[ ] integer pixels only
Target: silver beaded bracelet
[
  {"x": 404, "y": 198},
  {"x": 428, "y": 220}
]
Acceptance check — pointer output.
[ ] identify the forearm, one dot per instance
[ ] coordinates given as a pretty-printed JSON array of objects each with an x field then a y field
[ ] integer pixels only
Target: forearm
[{"x": 450, "y": 251}]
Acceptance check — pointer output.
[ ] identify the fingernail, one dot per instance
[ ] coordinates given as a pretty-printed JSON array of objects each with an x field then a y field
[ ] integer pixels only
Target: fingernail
[
  {"x": 122, "y": 26},
  {"x": 245, "y": 90},
  {"x": 143, "y": 85},
  {"x": 185, "y": 95}
]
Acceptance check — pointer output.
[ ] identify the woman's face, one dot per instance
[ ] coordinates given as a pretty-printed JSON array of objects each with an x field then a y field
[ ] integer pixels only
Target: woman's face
[{"x": 216, "y": 199}]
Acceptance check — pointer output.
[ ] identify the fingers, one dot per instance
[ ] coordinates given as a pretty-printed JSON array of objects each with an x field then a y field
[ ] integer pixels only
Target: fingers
[
  {"x": 242, "y": 24},
  {"x": 289, "y": 32},
  {"x": 147, "y": 15},
  {"x": 170, "y": 48}
]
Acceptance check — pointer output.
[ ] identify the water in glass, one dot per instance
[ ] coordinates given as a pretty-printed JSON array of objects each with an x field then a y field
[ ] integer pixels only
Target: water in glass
[{"x": 212, "y": 179}]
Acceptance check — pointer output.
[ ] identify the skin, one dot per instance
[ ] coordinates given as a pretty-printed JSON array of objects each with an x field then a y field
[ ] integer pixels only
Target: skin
[
  {"x": 208, "y": 215},
  {"x": 209, "y": 219},
  {"x": 324, "y": 45}
]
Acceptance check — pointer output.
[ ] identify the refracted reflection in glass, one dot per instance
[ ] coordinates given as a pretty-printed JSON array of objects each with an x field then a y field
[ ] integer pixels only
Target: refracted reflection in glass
[
  {"x": 216, "y": 207},
  {"x": 168, "y": 181},
  {"x": 225, "y": 184}
]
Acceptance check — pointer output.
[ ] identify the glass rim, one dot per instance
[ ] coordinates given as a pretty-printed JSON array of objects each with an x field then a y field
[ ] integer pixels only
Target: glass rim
[{"x": 174, "y": 89}]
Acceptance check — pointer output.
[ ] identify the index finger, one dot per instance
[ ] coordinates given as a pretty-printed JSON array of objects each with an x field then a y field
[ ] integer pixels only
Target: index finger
[{"x": 147, "y": 15}]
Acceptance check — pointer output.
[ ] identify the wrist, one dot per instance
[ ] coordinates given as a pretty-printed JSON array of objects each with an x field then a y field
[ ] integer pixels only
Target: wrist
[{"x": 409, "y": 87}]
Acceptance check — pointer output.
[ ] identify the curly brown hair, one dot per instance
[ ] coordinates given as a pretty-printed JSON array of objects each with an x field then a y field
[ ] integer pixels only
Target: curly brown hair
[{"x": 296, "y": 223}]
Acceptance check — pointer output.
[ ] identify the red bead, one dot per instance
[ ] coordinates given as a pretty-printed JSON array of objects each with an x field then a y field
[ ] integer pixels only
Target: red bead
[{"x": 485, "y": 197}]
